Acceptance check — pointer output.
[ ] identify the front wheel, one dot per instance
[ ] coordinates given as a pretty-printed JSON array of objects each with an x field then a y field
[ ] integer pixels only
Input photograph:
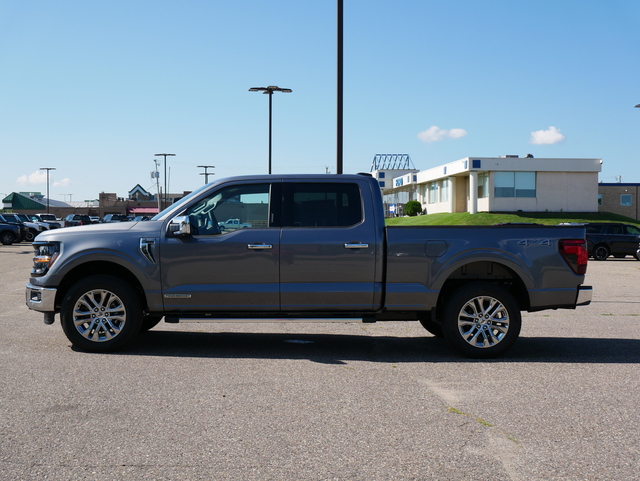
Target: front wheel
[
  {"x": 100, "y": 314},
  {"x": 7, "y": 238},
  {"x": 434, "y": 327},
  {"x": 481, "y": 320}
]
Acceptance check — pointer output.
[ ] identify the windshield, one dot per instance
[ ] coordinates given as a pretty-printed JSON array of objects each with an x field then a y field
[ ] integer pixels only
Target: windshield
[{"x": 184, "y": 200}]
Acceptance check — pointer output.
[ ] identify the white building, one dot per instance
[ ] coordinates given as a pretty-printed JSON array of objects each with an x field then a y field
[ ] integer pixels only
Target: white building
[{"x": 501, "y": 184}]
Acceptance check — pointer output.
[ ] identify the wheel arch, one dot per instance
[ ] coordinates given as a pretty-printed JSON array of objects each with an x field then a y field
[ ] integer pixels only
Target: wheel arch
[
  {"x": 485, "y": 271},
  {"x": 102, "y": 267}
]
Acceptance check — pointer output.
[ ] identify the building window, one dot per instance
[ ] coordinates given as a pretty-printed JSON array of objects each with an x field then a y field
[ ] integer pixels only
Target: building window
[
  {"x": 381, "y": 182},
  {"x": 444, "y": 190},
  {"x": 381, "y": 175},
  {"x": 599, "y": 199},
  {"x": 625, "y": 200},
  {"x": 483, "y": 185},
  {"x": 433, "y": 192},
  {"x": 515, "y": 184}
]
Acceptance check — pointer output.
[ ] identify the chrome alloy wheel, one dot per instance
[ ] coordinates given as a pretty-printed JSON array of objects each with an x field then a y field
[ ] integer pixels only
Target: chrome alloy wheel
[
  {"x": 483, "y": 321},
  {"x": 99, "y": 315}
]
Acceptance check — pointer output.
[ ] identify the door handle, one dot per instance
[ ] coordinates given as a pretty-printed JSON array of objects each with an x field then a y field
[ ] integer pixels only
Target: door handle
[
  {"x": 356, "y": 245},
  {"x": 258, "y": 247}
]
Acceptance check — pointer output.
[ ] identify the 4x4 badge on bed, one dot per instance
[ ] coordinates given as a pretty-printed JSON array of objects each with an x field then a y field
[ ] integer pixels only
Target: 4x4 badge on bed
[{"x": 534, "y": 242}]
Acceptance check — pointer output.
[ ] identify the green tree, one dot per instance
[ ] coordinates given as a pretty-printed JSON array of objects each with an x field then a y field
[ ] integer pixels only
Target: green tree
[{"x": 413, "y": 207}]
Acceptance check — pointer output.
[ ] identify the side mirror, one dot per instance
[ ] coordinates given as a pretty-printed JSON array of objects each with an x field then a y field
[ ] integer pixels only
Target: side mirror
[{"x": 180, "y": 226}]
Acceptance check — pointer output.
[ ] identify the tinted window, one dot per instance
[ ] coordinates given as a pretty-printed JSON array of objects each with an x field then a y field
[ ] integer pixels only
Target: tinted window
[
  {"x": 322, "y": 205},
  {"x": 633, "y": 230},
  {"x": 594, "y": 228}
]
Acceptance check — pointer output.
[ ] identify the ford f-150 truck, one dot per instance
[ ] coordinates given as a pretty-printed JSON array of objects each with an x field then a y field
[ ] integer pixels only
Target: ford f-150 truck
[{"x": 318, "y": 248}]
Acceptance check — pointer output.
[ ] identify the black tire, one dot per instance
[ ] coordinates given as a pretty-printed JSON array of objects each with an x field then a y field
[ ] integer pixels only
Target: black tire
[
  {"x": 481, "y": 320},
  {"x": 600, "y": 253},
  {"x": 29, "y": 236},
  {"x": 149, "y": 322},
  {"x": 7, "y": 238},
  {"x": 101, "y": 313},
  {"x": 432, "y": 326}
]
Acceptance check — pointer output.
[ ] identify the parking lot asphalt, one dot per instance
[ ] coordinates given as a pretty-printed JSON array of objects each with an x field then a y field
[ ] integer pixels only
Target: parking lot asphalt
[{"x": 324, "y": 401}]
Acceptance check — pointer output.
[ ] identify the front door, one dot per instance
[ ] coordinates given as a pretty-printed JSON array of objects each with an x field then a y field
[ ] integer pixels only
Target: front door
[{"x": 231, "y": 268}]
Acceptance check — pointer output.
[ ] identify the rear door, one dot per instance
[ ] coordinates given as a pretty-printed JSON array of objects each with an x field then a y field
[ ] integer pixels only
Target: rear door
[
  {"x": 328, "y": 253},
  {"x": 230, "y": 269}
]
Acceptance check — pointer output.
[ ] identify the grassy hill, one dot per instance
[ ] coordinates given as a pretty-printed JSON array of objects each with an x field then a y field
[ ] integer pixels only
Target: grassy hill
[{"x": 486, "y": 218}]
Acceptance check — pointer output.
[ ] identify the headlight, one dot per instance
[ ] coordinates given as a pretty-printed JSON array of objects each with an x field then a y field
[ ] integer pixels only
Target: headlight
[{"x": 43, "y": 258}]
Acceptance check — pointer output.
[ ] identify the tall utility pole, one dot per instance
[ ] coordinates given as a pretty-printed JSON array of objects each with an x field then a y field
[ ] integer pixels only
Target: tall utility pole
[
  {"x": 205, "y": 173},
  {"x": 156, "y": 175},
  {"x": 164, "y": 199},
  {"x": 47, "y": 169},
  {"x": 339, "y": 89},
  {"x": 269, "y": 91}
]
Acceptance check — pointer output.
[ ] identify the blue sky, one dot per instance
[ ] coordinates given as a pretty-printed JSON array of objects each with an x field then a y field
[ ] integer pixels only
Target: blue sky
[{"x": 95, "y": 89}]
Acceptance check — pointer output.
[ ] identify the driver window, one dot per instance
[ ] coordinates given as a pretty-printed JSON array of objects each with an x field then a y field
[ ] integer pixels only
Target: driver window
[{"x": 229, "y": 209}]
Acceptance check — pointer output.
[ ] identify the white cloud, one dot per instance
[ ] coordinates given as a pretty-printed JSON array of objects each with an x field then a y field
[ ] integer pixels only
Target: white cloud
[
  {"x": 546, "y": 137},
  {"x": 435, "y": 134},
  {"x": 35, "y": 178},
  {"x": 62, "y": 183}
]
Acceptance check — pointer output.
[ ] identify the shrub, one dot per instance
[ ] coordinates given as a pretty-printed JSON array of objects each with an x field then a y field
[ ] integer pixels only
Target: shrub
[{"x": 413, "y": 207}]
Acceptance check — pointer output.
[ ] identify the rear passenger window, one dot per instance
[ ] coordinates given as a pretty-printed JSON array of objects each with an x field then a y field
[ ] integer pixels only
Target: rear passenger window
[
  {"x": 322, "y": 205},
  {"x": 594, "y": 229}
]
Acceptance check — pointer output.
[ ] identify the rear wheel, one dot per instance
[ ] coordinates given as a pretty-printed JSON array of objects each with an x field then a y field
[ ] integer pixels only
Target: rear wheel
[
  {"x": 481, "y": 320},
  {"x": 600, "y": 253},
  {"x": 100, "y": 314}
]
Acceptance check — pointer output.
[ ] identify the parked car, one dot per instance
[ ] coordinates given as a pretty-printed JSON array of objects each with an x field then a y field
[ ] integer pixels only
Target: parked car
[
  {"x": 95, "y": 219},
  {"x": 317, "y": 248},
  {"x": 26, "y": 233},
  {"x": 232, "y": 224},
  {"x": 36, "y": 225},
  {"x": 73, "y": 220},
  {"x": 612, "y": 238},
  {"x": 47, "y": 218},
  {"x": 115, "y": 218},
  {"x": 139, "y": 218},
  {"x": 9, "y": 233}
]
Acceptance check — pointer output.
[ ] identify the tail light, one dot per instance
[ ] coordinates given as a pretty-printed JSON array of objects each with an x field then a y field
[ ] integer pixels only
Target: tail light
[{"x": 574, "y": 252}]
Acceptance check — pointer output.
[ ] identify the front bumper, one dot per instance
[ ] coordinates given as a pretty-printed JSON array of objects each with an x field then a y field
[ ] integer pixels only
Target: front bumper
[
  {"x": 584, "y": 295},
  {"x": 42, "y": 299}
]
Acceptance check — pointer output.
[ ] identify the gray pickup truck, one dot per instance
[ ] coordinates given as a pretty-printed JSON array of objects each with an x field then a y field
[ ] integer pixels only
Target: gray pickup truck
[{"x": 317, "y": 248}]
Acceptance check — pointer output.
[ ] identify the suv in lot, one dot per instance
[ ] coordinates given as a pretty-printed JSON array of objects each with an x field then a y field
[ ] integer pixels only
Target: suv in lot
[
  {"x": 27, "y": 233},
  {"x": 610, "y": 238},
  {"x": 9, "y": 233}
]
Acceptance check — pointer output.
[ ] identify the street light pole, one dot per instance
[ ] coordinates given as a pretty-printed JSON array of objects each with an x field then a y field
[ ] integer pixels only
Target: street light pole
[
  {"x": 205, "y": 173},
  {"x": 340, "y": 57},
  {"x": 164, "y": 195},
  {"x": 269, "y": 91},
  {"x": 47, "y": 169}
]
